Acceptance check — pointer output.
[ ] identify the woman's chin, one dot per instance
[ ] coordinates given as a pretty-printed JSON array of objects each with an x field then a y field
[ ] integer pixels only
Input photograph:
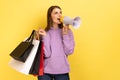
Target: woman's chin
[{"x": 59, "y": 22}]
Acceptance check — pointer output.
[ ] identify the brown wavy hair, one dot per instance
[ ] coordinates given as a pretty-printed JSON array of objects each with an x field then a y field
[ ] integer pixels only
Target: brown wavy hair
[{"x": 49, "y": 19}]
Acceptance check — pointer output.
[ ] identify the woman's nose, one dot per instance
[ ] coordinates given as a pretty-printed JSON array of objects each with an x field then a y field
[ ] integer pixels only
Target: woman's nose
[{"x": 60, "y": 15}]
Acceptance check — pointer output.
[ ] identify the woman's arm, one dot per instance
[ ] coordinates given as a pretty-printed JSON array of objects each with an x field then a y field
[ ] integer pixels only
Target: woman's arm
[
  {"x": 46, "y": 42},
  {"x": 68, "y": 42}
]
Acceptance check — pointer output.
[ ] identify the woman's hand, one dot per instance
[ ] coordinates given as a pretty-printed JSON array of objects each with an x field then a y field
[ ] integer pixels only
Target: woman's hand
[
  {"x": 40, "y": 32},
  {"x": 65, "y": 29}
]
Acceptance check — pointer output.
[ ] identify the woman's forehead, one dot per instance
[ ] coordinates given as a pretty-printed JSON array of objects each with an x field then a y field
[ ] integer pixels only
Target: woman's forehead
[{"x": 56, "y": 9}]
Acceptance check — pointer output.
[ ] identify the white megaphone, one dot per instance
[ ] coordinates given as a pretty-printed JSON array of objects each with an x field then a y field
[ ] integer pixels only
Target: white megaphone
[{"x": 74, "y": 22}]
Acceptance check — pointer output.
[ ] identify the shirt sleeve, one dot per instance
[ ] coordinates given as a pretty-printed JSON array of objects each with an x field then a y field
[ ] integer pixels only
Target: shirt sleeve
[
  {"x": 68, "y": 43},
  {"x": 46, "y": 41}
]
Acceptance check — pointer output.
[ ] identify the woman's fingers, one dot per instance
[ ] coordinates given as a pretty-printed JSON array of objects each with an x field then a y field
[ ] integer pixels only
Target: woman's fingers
[
  {"x": 65, "y": 29},
  {"x": 42, "y": 32}
]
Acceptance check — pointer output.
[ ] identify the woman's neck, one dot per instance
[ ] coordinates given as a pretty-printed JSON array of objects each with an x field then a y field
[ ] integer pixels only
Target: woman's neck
[{"x": 55, "y": 26}]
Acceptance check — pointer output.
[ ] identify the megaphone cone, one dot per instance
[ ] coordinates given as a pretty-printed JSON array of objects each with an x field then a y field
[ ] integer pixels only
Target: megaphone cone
[{"x": 74, "y": 22}]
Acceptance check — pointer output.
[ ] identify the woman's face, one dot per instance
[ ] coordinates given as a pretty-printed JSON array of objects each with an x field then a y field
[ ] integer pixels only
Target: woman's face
[{"x": 56, "y": 15}]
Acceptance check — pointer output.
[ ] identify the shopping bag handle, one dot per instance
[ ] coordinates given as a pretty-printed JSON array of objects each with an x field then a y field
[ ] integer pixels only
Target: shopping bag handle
[{"x": 31, "y": 37}]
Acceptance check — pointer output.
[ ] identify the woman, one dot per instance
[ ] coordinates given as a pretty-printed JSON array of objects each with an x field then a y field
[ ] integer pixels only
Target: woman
[{"x": 58, "y": 44}]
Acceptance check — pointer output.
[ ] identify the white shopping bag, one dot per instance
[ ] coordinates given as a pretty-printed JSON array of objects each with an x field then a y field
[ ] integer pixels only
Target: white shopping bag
[{"x": 24, "y": 67}]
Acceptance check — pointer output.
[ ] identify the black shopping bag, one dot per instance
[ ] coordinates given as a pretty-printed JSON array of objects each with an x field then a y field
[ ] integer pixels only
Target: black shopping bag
[
  {"x": 21, "y": 52},
  {"x": 36, "y": 63}
]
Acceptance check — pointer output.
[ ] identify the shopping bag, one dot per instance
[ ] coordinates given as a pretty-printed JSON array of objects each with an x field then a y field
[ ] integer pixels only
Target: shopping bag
[
  {"x": 25, "y": 67},
  {"x": 37, "y": 66},
  {"x": 41, "y": 67},
  {"x": 22, "y": 51}
]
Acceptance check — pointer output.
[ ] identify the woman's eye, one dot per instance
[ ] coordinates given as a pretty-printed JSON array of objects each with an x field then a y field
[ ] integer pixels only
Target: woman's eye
[
  {"x": 56, "y": 12},
  {"x": 60, "y": 12}
]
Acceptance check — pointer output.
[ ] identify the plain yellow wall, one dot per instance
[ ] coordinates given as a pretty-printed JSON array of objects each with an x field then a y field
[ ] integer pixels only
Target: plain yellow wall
[{"x": 97, "y": 50}]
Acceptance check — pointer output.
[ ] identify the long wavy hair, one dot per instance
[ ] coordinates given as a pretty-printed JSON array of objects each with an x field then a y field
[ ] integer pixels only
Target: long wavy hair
[{"x": 49, "y": 18}]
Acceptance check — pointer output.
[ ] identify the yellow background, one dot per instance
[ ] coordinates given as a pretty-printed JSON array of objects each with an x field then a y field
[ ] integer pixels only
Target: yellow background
[{"x": 97, "y": 50}]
